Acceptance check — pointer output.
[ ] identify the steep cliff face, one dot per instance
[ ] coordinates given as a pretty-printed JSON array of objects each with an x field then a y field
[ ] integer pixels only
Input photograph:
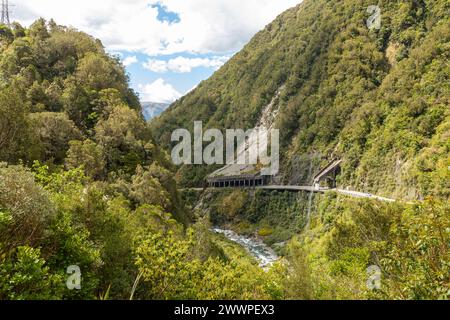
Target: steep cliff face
[{"x": 376, "y": 98}]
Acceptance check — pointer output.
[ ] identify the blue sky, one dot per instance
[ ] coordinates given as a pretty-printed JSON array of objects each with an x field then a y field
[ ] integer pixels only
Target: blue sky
[{"x": 168, "y": 46}]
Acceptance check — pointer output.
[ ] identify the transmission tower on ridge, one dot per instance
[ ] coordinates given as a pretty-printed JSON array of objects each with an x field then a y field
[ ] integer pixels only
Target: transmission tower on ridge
[{"x": 6, "y": 13}]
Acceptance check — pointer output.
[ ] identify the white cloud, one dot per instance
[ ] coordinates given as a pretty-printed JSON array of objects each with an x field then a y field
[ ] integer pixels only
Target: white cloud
[
  {"x": 192, "y": 89},
  {"x": 159, "y": 92},
  {"x": 184, "y": 65},
  {"x": 128, "y": 61},
  {"x": 132, "y": 25}
]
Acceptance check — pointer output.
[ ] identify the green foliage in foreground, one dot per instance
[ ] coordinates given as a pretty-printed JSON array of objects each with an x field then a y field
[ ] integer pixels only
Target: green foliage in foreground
[
  {"x": 377, "y": 99},
  {"x": 66, "y": 103},
  {"x": 275, "y": 216},
  {"x": 82, "y": 183},
  {"x": 127, "y": 251}
]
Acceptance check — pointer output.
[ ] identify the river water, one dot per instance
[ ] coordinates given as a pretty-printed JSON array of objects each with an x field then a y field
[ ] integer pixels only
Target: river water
[{"x": 256, "y": 247}]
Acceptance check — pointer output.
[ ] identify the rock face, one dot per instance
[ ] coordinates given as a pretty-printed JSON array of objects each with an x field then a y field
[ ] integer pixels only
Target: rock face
[
  {"x": 336, "y": 89},
  {"x": 153, "y": 109}
]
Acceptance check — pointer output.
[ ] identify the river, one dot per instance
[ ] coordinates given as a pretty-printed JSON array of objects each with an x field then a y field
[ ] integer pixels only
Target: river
[{"x": 256, "y": 247}]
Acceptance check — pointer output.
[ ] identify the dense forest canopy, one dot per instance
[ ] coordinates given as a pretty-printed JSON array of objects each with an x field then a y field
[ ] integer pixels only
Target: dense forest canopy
[
  {"x": 377, "y": 99},
  {"x": 82, "y": 183},
  {"x": 85, "y": 181}
]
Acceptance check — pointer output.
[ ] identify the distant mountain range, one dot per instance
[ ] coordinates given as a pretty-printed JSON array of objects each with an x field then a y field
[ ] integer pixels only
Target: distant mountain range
[{"x": 153, "y": 109}]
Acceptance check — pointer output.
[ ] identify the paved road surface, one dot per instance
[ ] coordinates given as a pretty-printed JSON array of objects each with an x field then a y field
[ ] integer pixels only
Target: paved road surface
[{"x": 354, "y": 194}]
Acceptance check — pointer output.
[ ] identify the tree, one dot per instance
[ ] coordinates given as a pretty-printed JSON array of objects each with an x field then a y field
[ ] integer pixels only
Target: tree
[
  {"x": 89, "y": 156},
  {"x": 169, "y": 271},
  {"x": 60, "y": 87},
  {"x": 299, "y": 283}
]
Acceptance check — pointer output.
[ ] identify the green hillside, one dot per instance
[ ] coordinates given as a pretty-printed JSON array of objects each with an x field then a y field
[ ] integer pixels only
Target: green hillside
[
  {"x": 86, "y": 182},
  {"x": 378, "y": 99}
]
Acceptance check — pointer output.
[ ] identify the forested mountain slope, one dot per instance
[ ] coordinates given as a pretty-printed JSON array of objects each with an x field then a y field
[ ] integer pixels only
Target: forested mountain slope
[
  {"x": 378, "y": 99},
  {"x": 84, "y": 187}
]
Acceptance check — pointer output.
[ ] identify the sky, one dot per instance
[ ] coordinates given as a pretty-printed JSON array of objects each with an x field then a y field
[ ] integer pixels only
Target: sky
[{"x": 167, "y": 46}]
